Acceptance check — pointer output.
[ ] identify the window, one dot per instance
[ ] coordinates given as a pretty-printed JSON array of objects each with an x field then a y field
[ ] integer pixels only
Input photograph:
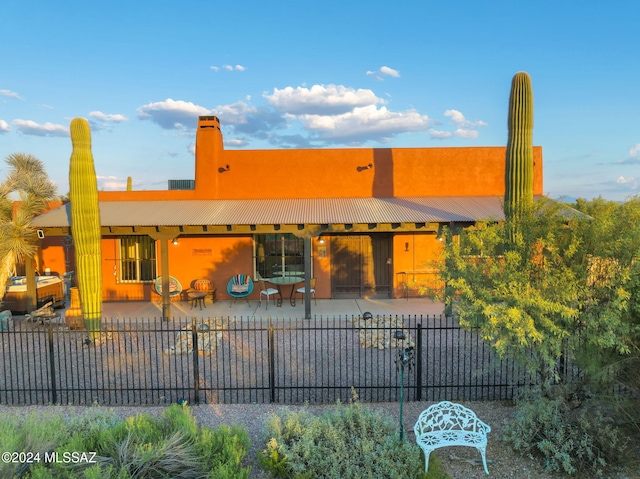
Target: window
[
  {"x": 277, "y": 251},
  {"x": 137, "y": 259}
]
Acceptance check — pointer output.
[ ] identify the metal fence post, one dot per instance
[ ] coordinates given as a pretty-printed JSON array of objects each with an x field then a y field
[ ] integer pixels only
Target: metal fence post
[
  {"x": 52, "y": 367},
  {"x": 196, "y": 362},
  {"x": 419, "y": 362},
  {"x": 272, "y": 366}
]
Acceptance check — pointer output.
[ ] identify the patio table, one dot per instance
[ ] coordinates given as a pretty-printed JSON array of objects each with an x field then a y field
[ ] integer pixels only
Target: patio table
[{"x": 287, "y": 279}]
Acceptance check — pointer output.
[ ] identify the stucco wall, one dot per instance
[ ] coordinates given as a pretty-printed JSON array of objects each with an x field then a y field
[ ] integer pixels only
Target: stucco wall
[{"x": 344, "y": 172}]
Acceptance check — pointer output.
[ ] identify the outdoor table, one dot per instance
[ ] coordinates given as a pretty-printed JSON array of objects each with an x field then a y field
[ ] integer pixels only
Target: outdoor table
[
  {"x": 287, "y": 279},
  {"x": 196, "y": 298}
]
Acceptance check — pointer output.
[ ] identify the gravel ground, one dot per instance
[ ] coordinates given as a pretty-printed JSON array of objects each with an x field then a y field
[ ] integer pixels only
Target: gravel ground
[{"x": 459, "y": 462}]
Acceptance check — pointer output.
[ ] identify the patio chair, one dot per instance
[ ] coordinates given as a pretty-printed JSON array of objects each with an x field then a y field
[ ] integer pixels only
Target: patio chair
[
  {"x": 268, "y": 292},
  {"x": 175, "y": 288},
  {"x": 312, "y": 290},
  {"x": 240, "y": 286}
]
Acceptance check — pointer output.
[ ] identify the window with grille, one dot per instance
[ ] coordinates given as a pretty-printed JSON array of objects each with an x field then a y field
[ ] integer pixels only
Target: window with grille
[
  {"x": 137, "y": 259},
  {"x": 279, "y": 254}
]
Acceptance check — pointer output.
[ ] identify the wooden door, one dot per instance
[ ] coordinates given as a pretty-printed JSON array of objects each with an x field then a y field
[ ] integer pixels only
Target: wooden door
[{"x": 360, "y": 266}]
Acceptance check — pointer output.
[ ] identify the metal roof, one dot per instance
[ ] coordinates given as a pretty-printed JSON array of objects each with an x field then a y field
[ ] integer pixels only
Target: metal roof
[{"x": 286, "y": 211}]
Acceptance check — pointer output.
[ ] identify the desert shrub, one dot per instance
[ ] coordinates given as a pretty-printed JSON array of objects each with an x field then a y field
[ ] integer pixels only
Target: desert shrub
[
  {"x": 172, "y": 446},
  {"x": 224, "y": 449},
  {"x": 348, "y": 442},
  {"x": 571, "y": 439},
  {"x": 87, "y": 429},
  {"x": 36, "y": 433},
  {"x": 140, "y": 446}
]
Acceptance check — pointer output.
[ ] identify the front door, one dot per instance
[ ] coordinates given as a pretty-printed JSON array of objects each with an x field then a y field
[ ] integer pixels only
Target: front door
[{"x": 361, "y": 266}]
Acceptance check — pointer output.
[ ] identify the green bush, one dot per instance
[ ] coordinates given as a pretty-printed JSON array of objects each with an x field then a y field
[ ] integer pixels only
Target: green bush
[
  {"x": 172, "y": 446},
  {"x": 348, "y": 442},
  {"x": 138, "y": 447},
  {"x": 35, "y": 433},
  {"x": 570, "y": 439}
]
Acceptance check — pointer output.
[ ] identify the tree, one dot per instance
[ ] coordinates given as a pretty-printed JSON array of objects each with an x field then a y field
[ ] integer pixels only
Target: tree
[
  {"x": 571, "y": 284},
  {"x": 24, "y": 194},
  {"x": 611, "y": 317},
  {"x": 521, "y": 297}
]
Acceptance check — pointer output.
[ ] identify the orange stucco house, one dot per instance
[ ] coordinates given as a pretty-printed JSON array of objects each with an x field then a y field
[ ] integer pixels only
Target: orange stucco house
[{"x": 363, "y": 222}]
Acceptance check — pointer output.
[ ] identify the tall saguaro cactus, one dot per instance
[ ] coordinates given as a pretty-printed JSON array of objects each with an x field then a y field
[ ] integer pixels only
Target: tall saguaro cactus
[
  {"x": 518, "y": 197},
  {"x": 85, "y": 225}
]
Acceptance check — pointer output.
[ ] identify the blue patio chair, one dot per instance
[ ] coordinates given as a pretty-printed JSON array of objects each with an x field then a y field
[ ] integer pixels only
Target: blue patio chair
[{"x": 240, "y": 286}]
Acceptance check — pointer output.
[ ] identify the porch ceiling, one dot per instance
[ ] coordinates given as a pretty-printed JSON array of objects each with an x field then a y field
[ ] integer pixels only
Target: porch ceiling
[{"x": 305, "y": 216}]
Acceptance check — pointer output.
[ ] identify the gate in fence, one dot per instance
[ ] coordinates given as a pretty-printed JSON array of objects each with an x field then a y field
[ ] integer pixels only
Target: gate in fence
[{"x": 271, "y": 360}]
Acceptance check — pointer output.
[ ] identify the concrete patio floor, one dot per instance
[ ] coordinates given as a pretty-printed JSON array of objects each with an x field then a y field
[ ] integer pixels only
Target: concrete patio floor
[{"x": 252, "y": 309}]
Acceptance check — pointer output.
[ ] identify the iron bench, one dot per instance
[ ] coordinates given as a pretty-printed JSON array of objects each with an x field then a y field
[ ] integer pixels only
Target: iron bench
[{"x": 449, "y": 424}]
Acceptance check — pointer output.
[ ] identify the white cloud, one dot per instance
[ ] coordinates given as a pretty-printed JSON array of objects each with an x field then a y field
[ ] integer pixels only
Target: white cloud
[
  {"x": 4, "y": 126},
  {"x": 118, "y": 118},
  {"x": 321, "y": 99},
  {"x": 461, "y": 122},
  {"x": 172, "y": 114},
  {"x": 455, "y": 116},
  {"x": 440, "y": 135},
  {"x": 465, "y": 128},
  {"x": 626, "y": 184},
  {"x": 248, "y": 119},
  {"x": 466, "y": 134},
  {"x": 229, "y": 68},
  {"x": 9, "y": 93},
  {"x": 635, "y": 150},
  {"x": 389, "y": 71},
  {"x": 384, "y": 71},
  {"x": 365, "y": 123},
  {"x": 29, "y": 127},
  {"x": 309, "y": 116},
  {"x": 621, "y": 180},
  {"x": 236, "y": 113}
]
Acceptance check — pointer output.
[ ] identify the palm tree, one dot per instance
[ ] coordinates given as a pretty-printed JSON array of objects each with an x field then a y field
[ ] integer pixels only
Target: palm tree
[{"x": 24, "y": 194}]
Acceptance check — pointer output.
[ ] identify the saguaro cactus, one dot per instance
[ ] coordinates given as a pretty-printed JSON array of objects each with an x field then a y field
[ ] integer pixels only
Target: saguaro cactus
[
  {"x": 518, "y": 197},
  {"x": 129, "y": 184},
  {"x": 85, "y": 225}
]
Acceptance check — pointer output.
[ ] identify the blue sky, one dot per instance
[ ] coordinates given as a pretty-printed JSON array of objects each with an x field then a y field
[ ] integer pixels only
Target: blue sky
[{"x": 286, "y": 74}]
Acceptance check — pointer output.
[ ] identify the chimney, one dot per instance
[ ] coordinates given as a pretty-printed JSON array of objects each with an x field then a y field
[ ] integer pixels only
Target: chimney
[{"x": 209, "y": 151}]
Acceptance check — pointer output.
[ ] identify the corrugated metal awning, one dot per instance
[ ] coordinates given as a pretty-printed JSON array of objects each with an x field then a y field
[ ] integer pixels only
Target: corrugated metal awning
[{"x": 285, "y": 211}]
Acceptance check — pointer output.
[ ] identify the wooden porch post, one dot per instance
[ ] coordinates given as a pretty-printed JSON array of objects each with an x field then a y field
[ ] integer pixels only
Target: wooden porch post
[
  {"x": 164, "y": 236},
  {"x": 32, "y": 291},
  {"x": 307, "y": 277},
  {"x": 164, "y": 268}
]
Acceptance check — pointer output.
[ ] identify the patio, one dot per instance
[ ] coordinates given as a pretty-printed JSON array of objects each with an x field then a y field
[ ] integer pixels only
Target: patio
[{"x": 325, "y": 308}]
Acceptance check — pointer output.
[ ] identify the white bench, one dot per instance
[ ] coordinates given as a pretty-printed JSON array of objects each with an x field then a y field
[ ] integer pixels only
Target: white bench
[{"x": 449, "y": 424}]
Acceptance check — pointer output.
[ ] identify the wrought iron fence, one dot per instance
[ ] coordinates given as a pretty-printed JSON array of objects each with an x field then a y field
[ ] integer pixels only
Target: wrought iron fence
[{"x": 230, "y": 360}]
